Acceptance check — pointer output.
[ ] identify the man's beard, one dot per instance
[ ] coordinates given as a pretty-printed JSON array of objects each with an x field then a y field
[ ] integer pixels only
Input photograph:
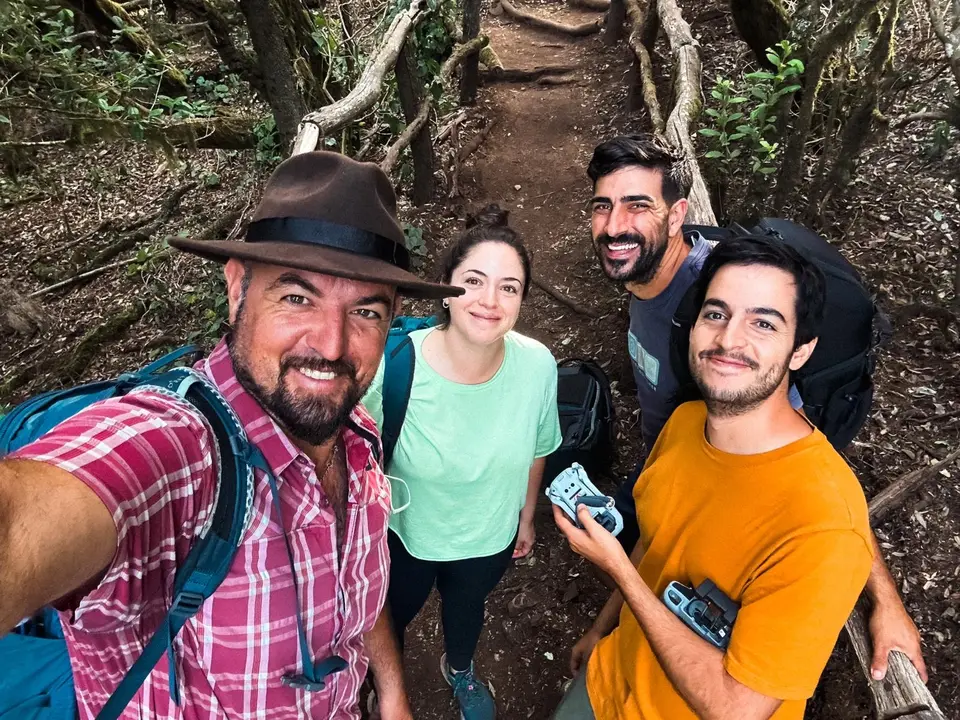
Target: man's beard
[
  {"x": 313, "y": 420},
  {"x": 730, "y": 403},
  {"x": 644, "y": 267}
]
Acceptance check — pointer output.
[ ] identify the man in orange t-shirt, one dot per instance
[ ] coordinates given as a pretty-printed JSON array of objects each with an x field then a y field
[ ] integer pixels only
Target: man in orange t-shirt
[{"x": 742, "y": 490}]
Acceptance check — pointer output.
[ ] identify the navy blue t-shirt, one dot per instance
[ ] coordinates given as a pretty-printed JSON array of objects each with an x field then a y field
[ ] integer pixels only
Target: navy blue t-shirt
[{"x": 649, "y": 343}]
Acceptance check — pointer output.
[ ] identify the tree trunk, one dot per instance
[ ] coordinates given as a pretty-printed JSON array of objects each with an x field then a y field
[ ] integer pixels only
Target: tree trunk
[
  {"x": 276, "y": 66},
  {"x": 322, "y": 86},
  {"x": 470, "y": 75},
  {"x": 792, "y": 168},
  {"x": 237, "y": 61},
  {"x": 616, "y": 17},
  {"x": 761, "y": 24},
  {"x": 410, "y": 90}
]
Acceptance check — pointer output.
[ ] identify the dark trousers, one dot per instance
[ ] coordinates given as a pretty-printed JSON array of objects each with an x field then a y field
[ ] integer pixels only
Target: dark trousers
[
  {"x": 623, "y": 499},
  {"x": 463, "y": 586}
]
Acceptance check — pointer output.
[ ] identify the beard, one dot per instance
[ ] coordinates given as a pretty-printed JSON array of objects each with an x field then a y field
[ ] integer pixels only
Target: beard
[
  {"x": 730, "y": 403},
  {"x": 641, "y": 269},
  {"x": 311, "y": 419}
]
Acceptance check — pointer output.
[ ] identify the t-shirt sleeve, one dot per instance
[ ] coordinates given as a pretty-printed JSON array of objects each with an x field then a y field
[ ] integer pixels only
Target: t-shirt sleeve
[
  {"x": 150, "y": 460},
  {"x": 373, "y": 398},
  {"x": 548, "y": 434},
  {"x": 793, "y": 610}
]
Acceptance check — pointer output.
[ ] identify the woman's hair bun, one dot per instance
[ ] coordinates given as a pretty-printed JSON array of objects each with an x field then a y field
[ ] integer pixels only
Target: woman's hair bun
[{"x": 490, "y": 216}]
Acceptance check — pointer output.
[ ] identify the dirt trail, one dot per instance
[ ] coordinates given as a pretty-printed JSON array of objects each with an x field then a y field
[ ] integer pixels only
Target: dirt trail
[{"x": 533, "y": 163}]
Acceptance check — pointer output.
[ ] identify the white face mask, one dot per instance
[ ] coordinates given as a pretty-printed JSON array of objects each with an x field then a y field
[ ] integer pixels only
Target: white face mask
[{"x": 393, "y": 484}]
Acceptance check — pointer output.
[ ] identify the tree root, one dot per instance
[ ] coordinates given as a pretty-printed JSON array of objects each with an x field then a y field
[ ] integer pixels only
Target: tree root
[
  {"x": 588, "y": 28},
  {"x": 564, "y": 299},
  {"x": 504, "y": 75}
]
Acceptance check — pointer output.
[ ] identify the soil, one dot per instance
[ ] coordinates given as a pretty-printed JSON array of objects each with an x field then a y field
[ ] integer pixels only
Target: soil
[{"x": 898, "y": 223}]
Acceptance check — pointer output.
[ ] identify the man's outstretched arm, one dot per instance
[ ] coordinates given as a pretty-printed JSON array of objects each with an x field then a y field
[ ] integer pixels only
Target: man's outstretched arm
[
  {"x": 55, "y": 536},
  {"x": 891, "y": 627}
]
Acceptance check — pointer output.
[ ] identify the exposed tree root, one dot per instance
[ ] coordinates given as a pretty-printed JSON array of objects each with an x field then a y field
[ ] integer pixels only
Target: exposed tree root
[{"x": 588, "y": 28}]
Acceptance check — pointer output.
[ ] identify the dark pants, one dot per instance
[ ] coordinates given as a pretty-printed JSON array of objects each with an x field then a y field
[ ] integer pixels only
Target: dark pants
[
  {"x": 463, "y": 586},
  {"x": 623, "y": 499}
]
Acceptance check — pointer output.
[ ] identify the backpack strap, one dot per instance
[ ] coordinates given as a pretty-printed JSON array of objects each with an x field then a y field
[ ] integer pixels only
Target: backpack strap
[
  {"x": 399, "y": 362},
  {"x": 211, "y": 556}
]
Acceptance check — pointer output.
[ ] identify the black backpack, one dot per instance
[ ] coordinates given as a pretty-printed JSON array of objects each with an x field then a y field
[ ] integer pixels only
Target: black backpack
[
  {"x": 836, "y": 383},
  {"x": 586, "y": 419}
]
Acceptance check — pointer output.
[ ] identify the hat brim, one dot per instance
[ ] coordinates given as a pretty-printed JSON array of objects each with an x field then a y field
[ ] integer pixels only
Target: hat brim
[{"x": 315, "y": 258}]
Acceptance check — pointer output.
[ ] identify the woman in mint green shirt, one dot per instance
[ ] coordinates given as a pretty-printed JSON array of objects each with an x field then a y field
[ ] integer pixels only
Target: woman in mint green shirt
[{"x": 481, "y": 419}]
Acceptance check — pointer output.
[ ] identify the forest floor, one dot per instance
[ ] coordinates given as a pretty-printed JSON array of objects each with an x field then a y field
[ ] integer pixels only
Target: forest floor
[{"x": 899, "y": 223}]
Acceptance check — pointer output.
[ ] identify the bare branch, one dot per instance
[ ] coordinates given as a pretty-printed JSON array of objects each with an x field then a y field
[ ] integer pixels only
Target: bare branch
[
  {"x": 334, "y": 116},
  {"x": 588, "y": 28}
]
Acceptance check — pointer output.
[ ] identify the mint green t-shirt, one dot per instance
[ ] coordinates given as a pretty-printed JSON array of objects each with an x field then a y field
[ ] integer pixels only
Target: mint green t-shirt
[{"x": 465, "y": 451}]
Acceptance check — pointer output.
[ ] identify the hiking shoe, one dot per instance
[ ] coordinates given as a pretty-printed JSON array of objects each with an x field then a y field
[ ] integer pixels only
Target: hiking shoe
[{"x": 473, "y": 697}]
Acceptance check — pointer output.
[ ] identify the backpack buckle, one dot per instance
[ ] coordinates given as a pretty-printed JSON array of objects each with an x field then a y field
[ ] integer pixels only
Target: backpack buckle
[
  {"x": 186, "y": 604},
  {"x": 302, "y": 682}
]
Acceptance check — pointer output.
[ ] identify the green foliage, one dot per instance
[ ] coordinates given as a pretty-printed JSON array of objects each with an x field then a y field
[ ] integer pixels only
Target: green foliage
[
  {"x": 415, "y": 244},
  {"x": 939, "y": 143},
  {"x": 268, "y": 141},
  {"x": 744, "y": 122},
  {"x": 100, "y": 89}
]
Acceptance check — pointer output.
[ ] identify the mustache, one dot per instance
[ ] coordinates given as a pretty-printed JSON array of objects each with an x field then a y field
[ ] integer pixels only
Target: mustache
[
  {"x": 604, "y": 239},
  {"x": 737, "y": 357},
  {"x": 319, "y": 364}
]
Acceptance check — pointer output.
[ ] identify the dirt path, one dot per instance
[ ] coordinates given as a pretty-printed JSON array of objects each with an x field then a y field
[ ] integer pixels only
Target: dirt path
[{"x": 533, "y": 163}]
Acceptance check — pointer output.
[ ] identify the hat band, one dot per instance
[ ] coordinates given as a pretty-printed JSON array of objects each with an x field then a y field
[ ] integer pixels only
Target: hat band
[{"x": 308, "y": 231}]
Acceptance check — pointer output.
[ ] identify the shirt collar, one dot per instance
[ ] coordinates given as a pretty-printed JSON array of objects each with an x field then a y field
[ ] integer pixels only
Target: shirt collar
[{"x": 361, "y": 442}]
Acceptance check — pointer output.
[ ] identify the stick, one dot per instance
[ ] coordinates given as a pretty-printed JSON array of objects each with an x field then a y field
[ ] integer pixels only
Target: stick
[
  {"x": 442, "y": 135},
  {"x": 564, "y": 300},
  {"x": 477, "y": 140},
  {"x": 93, "y": 273},
  {"x": 587, "y": 28},
  {"x": 896, "y": 492},
  {"x": 364, "y": 95}
]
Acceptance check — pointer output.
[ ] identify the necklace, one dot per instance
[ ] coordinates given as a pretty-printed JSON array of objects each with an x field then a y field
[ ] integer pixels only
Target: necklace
[{"x": 333, "y": 456}]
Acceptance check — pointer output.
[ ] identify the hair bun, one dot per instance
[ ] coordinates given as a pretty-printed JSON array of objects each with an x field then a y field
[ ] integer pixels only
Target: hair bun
[{"x": 490, "y": 216}]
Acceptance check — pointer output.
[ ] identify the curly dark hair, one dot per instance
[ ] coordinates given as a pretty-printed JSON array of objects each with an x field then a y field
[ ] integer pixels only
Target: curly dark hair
[{"x": 647, "y": 151}]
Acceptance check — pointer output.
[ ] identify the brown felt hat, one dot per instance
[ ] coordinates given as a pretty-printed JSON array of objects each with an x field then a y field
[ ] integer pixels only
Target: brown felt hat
[{"x": 326, "y": 213}]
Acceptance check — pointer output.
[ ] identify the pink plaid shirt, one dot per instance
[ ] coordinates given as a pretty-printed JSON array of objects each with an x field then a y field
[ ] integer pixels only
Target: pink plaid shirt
[{"x": 149, "y": 458}]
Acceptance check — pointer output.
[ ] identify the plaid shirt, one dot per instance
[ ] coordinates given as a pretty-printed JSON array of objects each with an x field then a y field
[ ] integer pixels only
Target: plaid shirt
[{"x": 149, "y": 457}]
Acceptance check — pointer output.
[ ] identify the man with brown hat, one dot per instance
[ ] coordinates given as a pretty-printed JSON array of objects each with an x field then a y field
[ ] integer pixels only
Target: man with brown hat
[{"x": 128, "y": 484}]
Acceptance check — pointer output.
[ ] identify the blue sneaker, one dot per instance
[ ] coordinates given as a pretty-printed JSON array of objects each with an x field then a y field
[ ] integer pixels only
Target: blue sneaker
[{"x": 474, "y": 698}]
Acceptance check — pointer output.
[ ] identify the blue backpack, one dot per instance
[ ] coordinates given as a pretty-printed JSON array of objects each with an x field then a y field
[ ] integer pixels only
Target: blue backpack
[
  {"x": 399, "y": 362},
  {"x": 36, "y": 682}
]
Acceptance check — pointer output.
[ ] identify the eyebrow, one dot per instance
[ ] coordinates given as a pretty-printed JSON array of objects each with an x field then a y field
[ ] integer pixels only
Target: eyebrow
[
  {"x": 483, "y": 274},
  {"x": 625, "y": 198},
  {"x": 720, "y": 304},
  {"x": 289, "y": 278}
]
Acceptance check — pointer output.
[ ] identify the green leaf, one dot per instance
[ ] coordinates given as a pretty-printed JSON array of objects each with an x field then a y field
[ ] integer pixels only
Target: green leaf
[
  {"x": 737, "y": 136},
  {"x": 737, "y": 100},
  {"x": 735, "y": 116},
  {"x": 787, "y": 90},
  {"x": 768, "y": 170},
  {"x": 712, "y": 113},
  {"x": 4, "y": 119},
  {"x": 709, "y": 132},
  {"x": 773, "y": 59},
  {"x": 734, "y": 154},
  {"x": 715, "y": 94},
  {"x": 796, "y": 63},
  {"x": 713, "y": 154},
  {"x": 211, "y": 180}
]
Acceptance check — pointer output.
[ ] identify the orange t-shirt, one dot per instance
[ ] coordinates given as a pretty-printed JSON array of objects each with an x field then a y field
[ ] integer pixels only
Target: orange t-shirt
[{"x": 783, "y": 533}]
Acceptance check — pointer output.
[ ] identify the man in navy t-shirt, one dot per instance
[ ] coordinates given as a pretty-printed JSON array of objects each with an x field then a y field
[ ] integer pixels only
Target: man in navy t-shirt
[{"x": 640, "y": 188}]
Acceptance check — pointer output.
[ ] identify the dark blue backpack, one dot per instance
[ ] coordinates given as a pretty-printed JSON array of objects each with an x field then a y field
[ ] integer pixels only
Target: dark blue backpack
[
  {"x": 36, "y": 682},
  {"x": 399, "y": 360}
]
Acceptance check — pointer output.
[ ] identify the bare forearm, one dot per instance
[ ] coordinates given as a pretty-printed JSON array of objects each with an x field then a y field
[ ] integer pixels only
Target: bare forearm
[
  {"x": 381, "y": 646},
  {"x": 694, "y": 666},
  {"x": 533, "y": 488},
  {"x": 55, "y": 535},
  {"x": 881, "y": 586}
]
